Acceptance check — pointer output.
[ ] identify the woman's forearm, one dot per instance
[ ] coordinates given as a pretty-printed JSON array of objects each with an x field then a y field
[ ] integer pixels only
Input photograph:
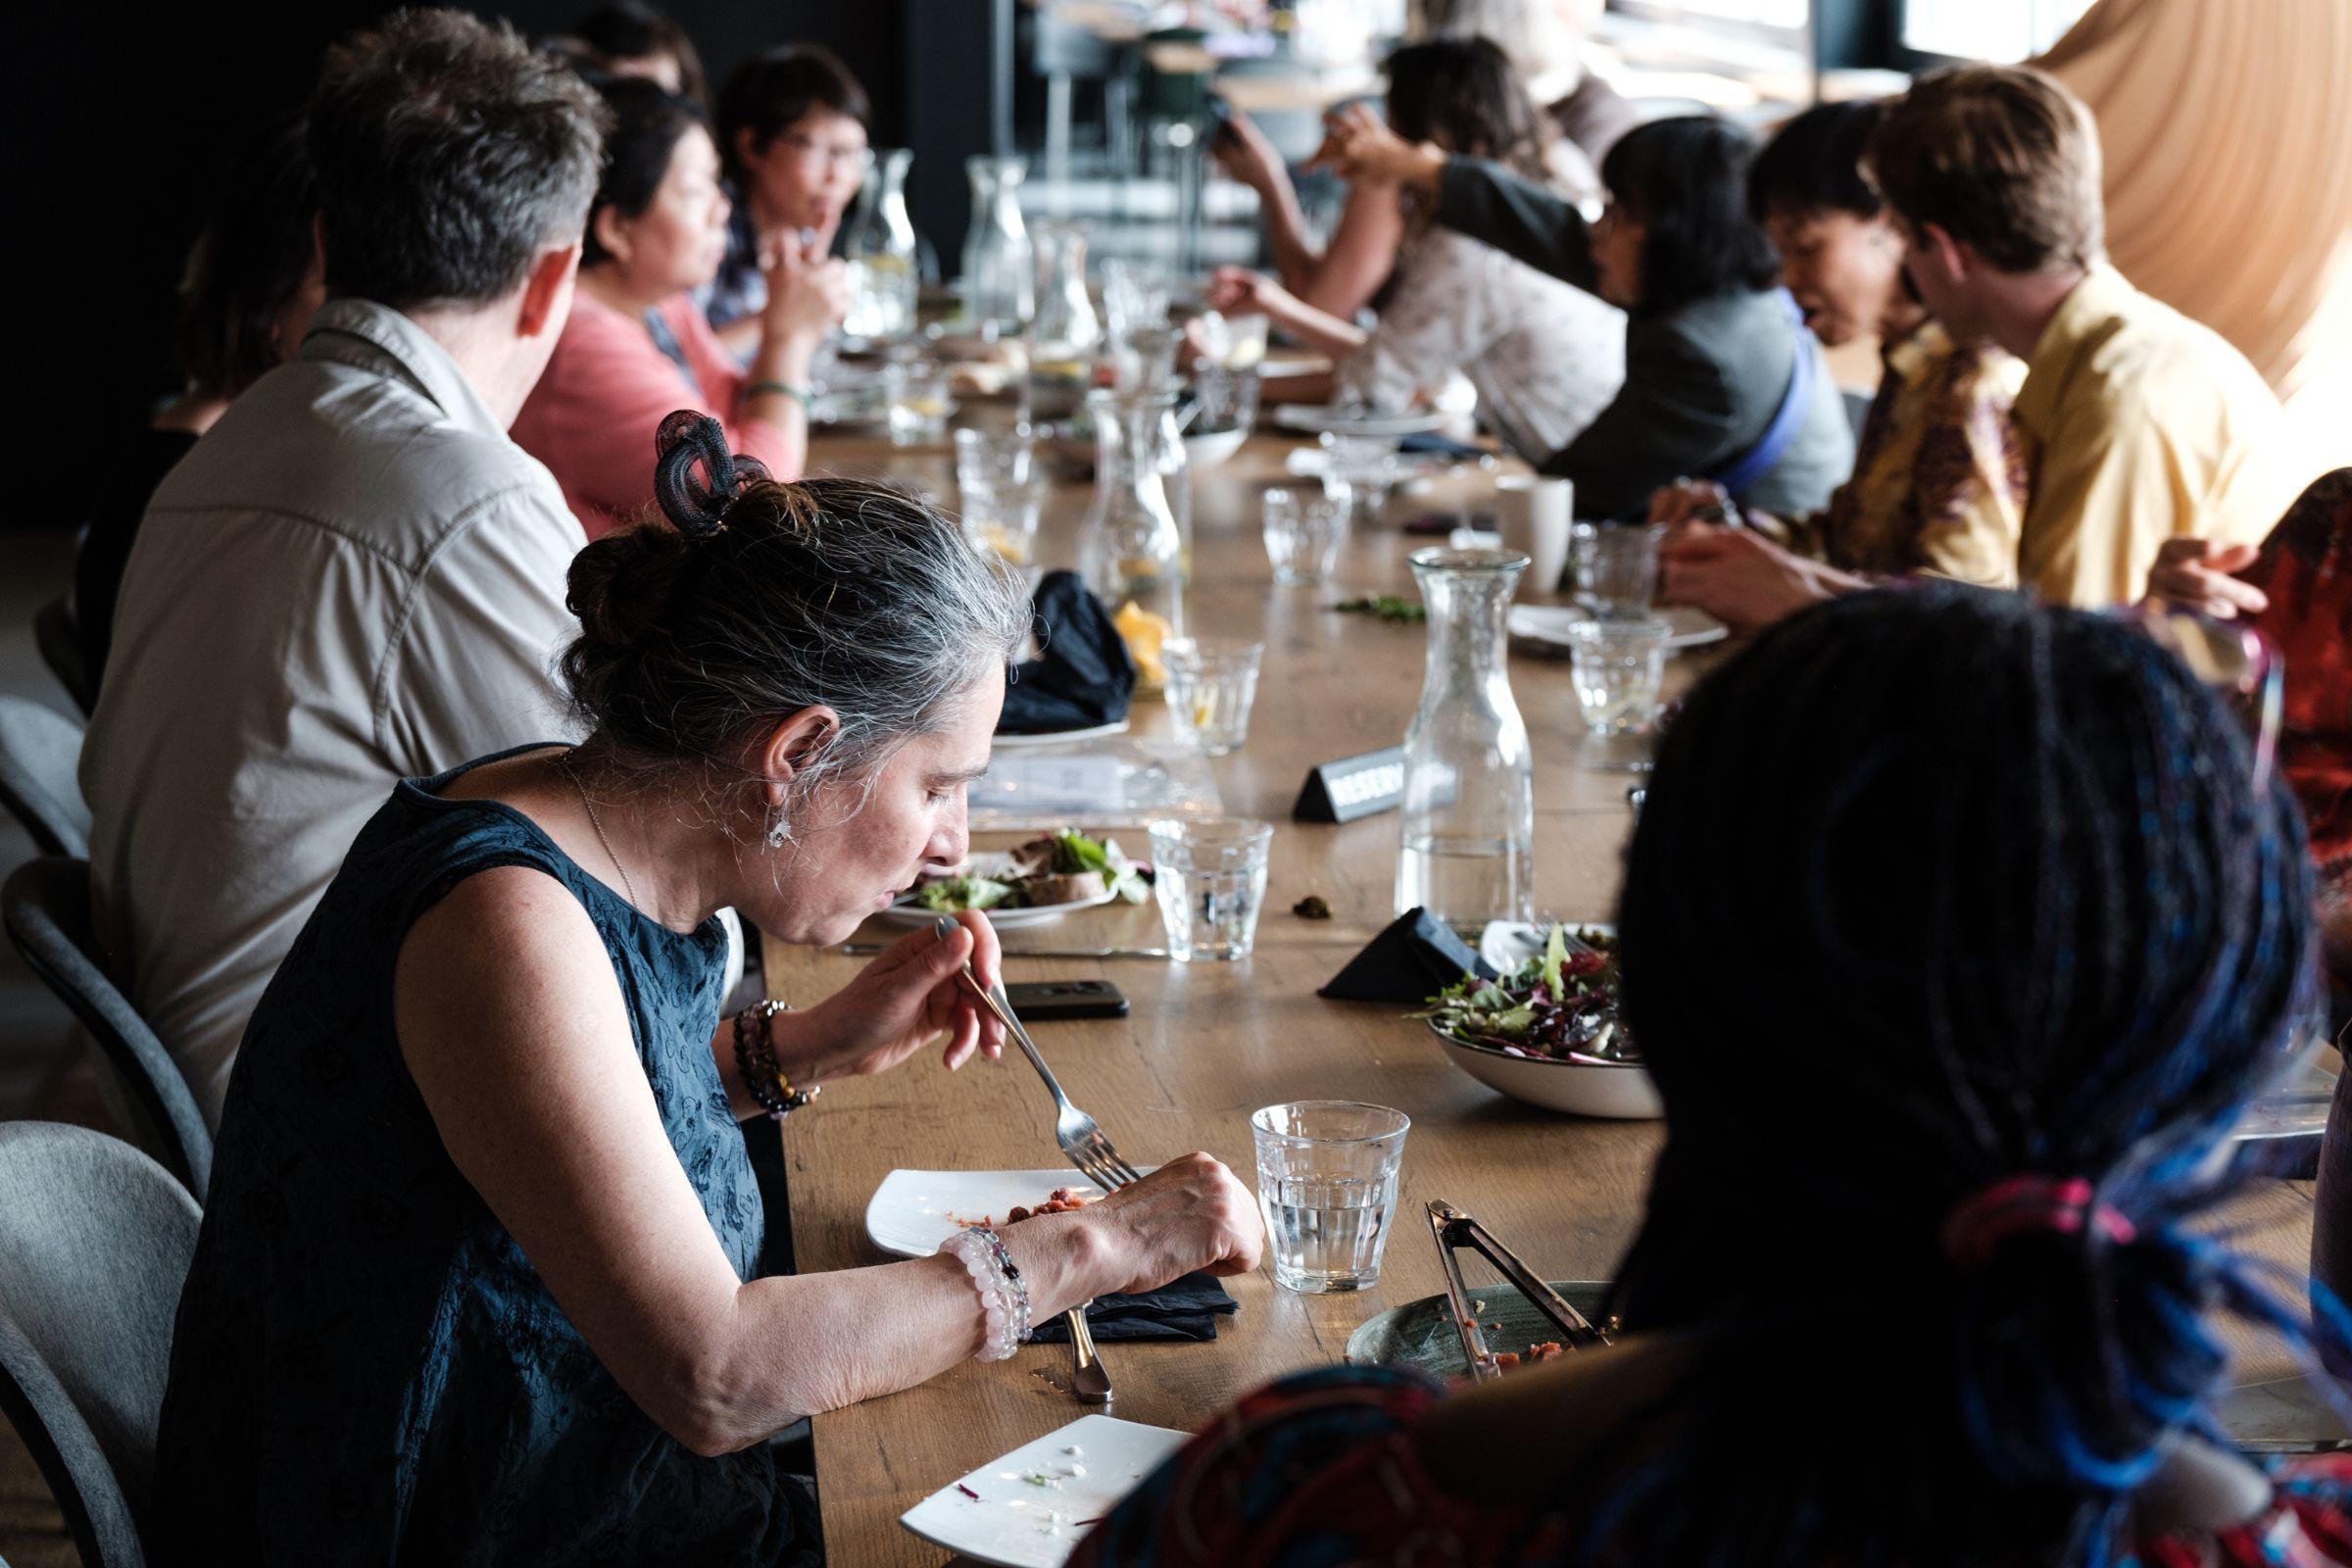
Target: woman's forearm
[{"x": 1319, "y": 330}]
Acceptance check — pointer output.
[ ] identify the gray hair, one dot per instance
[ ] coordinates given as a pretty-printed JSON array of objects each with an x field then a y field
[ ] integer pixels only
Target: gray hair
[{"x": 833, "y": 593}]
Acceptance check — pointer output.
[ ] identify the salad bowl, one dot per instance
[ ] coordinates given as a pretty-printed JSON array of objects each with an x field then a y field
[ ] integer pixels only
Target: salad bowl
[{"x": 1546, "y": 1031}]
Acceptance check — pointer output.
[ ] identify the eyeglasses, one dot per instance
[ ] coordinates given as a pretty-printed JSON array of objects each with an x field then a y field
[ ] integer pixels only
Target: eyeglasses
[
  {"x": 2234, "y": 660},
  {"x": 832, "y": 156}
]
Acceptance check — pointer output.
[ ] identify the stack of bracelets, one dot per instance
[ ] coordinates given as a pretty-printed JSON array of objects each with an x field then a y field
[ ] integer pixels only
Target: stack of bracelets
[
  {"x": 1003, "y": 1295},
  {"x": 755, "y": 1059}
]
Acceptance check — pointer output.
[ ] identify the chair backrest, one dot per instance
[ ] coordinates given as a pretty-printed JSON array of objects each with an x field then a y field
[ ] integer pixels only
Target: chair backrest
[
  {"x": 40, "y": 755},
  {"x": 59, "y": 642},
  {"x": 45, "y": 904},
  {"x": 95, "y": 1243}
]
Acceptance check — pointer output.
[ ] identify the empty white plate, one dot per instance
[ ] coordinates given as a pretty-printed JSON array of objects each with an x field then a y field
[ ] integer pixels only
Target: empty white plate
[
  {"x": 1355, "y": 421},
  {"x": 1549, "y": 624},
  {"x": 912, "y": 1211},
  {"x": 1031, "y": 1508}
]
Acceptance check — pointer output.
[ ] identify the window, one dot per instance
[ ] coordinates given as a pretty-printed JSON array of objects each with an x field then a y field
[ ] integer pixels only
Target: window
[{"x": 2005, "y": 30}]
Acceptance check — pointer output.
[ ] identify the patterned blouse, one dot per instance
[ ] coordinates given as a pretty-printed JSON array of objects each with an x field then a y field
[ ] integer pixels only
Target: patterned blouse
[
  {"x": 1321, "y": 1468},
  {"x": 2306, "y": 569},
  {"x": 1544, "y": 357},
  {"x": 1940, "y": 475}
]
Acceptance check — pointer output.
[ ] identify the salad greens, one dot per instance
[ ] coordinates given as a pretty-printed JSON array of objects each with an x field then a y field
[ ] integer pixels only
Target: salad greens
[
  {"x": 1061, "y": 867},
  {"x": 1558, "y": 1003}
]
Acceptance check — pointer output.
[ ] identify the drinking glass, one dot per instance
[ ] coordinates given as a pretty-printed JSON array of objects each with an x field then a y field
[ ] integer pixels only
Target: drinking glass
[
  {"x": 1327, "y": 1185},
  {"x": 1227, "y": 399},
  {"x": 1304, "y": 532},
  {"x": 1002, "y": 518},
  {"x": 919, "y": 402},
  {"x": 1209, "y": 876},
  {"x": 1616, "y": 568},
  {"x": 1209, "y": 690},
  {"x": 1365, "y": 466},
  {"x": 1617, "y": 666},
  {"x": 988, "y": 460}
]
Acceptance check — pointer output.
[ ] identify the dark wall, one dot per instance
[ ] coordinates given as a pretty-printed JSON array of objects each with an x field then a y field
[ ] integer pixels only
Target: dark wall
[{"x": 120, "y": 121}]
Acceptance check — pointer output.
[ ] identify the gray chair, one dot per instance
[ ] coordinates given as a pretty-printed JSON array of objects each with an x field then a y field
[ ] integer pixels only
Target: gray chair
[
  {"x": 59, "y": 642},
  {"x": 97, "y": 1240},
  {"x": 45, "y": 904},
  {"x": 40, "y": 754}
]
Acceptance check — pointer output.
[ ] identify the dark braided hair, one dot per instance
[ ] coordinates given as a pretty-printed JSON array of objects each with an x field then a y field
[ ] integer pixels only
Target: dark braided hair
[{"x": 1933, "y": 888}]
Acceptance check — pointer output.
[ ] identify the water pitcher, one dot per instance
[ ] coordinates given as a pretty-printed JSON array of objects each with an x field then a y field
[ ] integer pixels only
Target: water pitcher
[
  {"x": 1469, "y": 818},
  {"x": 884, "y": 257},
  {"x": 1129, "y": 552},
  {"x": 1000, "y": 270},
  {"x": 1065, "y": 335}
]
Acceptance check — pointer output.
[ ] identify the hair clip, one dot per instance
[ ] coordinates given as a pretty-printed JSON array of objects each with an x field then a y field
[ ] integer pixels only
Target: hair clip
[{"x": 697, "y": 505}]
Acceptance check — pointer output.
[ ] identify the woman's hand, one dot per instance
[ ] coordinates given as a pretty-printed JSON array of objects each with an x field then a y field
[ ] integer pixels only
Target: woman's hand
[
  {"x": 907, "y": 998},
  {"x": 808, "y": 294},
  {"x": 1688, "y": 501},
  {"x": 1242, "y": 150},
  {"x": 1742, "y": 578},
  {"x": 1358, "y": 145},
  {"x": 1189, "y": 1214},
  {"x": 2199, "y": 575},
  {"x": 1239, "y": 291}
]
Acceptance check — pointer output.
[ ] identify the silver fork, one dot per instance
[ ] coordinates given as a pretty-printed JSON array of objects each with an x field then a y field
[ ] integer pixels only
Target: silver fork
[{"x": 1081, "y": 1139}]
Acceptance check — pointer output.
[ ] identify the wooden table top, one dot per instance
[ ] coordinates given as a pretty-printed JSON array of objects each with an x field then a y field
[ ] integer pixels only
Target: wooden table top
[{"x": 1207, "y": 1044}]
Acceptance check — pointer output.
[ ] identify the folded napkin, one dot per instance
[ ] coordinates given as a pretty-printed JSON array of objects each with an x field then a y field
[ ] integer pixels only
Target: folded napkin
[
  {"x": 1418, "y": 956},
  {"x": 1182, "y": 1309},
  {"x": 1082, "y": 675},
  {"x": 1432, "y": 444}
]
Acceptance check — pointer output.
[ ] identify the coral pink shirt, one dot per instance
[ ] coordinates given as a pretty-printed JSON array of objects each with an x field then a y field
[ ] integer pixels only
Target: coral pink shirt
[{"x": 607, "y": 388}]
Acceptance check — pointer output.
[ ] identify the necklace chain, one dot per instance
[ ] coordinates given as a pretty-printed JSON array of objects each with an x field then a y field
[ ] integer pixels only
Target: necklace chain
[{"x": 597, "y": 822}]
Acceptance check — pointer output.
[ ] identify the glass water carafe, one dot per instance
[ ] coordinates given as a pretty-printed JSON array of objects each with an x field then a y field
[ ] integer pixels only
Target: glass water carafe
[
  {"x": 885, "y": 259},
  {"x": 1065, "y": 335},
  {"x": 1469, "y": 818},
  {"x": 999, "y": 272},
  {"x": 1130, "y": 552}
]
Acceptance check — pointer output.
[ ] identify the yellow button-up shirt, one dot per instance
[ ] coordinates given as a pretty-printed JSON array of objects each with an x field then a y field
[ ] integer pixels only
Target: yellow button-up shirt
[{"x": 2144, "y": 426}]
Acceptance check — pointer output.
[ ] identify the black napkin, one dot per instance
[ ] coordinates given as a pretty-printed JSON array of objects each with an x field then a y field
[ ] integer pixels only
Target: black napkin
[
  {"x": 1182, "y": 1309},
  {"x": 1418, "y": 956},
  {"x": 1082, "y": 675},
  {"x": 1430, "y": 443}
]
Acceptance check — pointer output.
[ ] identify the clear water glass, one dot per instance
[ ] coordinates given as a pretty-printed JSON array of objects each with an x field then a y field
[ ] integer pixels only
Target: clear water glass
[
  {"x": 919, "y": 402},
  {"x": 1305, "y": 529},
  {"x": 1617, "y": 666},
  {"x": 1365, "y": 466},
  {"x": 1208, "y": 874},
  {"x": 1002, "y": 518},
  {"x": 1616, "y": 568},
  {"x": 1209, "y": 691},
  {"x": 1227, "y": 399},
  {"x": 1327, "y": 1174}
]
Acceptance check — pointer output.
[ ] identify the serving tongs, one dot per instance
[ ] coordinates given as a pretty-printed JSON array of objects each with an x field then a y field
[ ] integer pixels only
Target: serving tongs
[{"x": 1454, "y": 1229}]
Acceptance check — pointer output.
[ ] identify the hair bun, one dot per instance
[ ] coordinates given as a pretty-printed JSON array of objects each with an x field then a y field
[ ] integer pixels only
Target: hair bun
[
  {"x": 696, "y": 506},
  {"x": 621, "y": 586}
]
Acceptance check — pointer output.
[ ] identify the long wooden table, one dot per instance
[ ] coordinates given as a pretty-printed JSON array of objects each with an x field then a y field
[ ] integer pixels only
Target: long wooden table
[{"x": 1207, "y": 1044}]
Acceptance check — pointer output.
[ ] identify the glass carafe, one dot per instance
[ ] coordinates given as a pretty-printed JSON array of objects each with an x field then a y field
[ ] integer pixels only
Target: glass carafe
[
  {"x": 999, "y": 271},
  {"x": 1130, "y": 553},
  {"x": 885, "y": 259},
  {"x": 1469, "y": 818},
  {"x": 1065, "y": 335}
]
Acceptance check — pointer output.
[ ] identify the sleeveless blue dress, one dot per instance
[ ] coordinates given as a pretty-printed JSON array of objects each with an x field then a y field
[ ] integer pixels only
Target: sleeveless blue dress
[{"x": 366, "y": 1368}]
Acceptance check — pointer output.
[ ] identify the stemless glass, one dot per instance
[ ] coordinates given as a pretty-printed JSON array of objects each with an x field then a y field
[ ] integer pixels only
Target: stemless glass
[
  {"x": 1303, "y": 530},
  {"x": 919, "y": 402},
  {"x": 1208, "y": 874},
  {"x": 1327, "y": 1174},
  {"x": 1616, "y": 568},
  {"x": 1209, "y": 691},
  {"x": 1617, "y": 666},
  {"x": 1365, "y": 466}
]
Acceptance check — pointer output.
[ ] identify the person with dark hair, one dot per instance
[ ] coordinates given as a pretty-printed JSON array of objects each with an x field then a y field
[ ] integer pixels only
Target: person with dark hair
[
  {"x": 356, "y": 576},
  {"x": 792, "y": 133},
  {"x": 1928, "y": 1273},
  {"x": 1722, "y": 381},
  {"x": 1939, "y": 468},
  {"x": 485, "y": 1293},
  {"x": 253, "y": 281},
  {"x": 1544, "y": 356},
  {"x": 636, "y": 342},
  {"x": 630, "y": 38}
]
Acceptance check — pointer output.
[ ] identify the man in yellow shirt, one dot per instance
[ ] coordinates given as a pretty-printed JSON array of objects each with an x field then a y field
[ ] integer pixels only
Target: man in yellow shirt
[{"x": 2141, "y": 425}]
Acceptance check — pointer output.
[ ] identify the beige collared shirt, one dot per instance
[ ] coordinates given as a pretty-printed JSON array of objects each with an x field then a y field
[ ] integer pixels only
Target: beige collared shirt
[
  {"x": 2144, "y": 426},
  {"x": 355, "y": 577}
]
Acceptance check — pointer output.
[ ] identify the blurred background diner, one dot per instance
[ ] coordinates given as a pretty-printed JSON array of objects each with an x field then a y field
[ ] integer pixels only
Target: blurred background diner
[{"x": 1386, "y": 448}]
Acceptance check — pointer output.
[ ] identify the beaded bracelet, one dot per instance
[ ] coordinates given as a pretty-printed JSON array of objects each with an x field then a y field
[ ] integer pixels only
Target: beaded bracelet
[
  {"x": 1003, "y": 1295},
  {"x": 756, "y": 1058},
  {"x": 798, "y": 394}
]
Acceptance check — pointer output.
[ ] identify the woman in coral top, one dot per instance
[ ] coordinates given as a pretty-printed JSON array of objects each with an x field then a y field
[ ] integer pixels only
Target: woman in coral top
[{"x": 636, "y": 348}]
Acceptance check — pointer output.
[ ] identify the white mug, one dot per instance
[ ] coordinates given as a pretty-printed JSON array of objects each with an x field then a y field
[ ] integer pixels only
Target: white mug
[{"x": 1532, "y": 515}]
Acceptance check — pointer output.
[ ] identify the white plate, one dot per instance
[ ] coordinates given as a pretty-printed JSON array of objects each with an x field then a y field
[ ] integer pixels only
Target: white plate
[
  {"x": 1549, "y": 624},
  {"x": 912, "y": 1211},
  {"x": 1355, "y": 421},
  {"x": 1013, "y": 1523},
  {"x": 1055, "y": 737},
  {"x": 909, "y": 912}
]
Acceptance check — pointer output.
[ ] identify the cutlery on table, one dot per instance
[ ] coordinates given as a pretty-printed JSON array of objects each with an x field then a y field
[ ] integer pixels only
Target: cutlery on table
[
  {"x": 866, "y": 949},
  {"x": 1082, "y": 1142},
  {"x": 1452, "y": 1228}
]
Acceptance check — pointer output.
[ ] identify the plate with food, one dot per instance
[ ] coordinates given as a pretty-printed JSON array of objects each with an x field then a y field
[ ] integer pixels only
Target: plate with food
[
  {"x": 1546, "y": 625},
  {"x": 1550, "y": 1029},
  {"x": 912, "y": 1211},
  {"x": 1031, "y": 1508},
  {"x": 1341, "y": 420},
  {"x": 1042, "y": 880},
  {"x": 1056, "y": 737},
  {"x": 1422, "y": 1335}
]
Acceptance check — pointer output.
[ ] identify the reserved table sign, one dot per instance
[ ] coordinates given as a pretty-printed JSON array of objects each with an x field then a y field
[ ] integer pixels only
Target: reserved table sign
[{"x": 1353, "y": 787}]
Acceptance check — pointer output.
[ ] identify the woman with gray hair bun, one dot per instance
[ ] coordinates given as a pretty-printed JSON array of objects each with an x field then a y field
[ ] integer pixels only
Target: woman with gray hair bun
[{"x": 473, "y": 1283}]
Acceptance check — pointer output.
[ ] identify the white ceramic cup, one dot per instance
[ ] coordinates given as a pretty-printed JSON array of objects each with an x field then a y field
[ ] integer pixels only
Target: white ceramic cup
[{"x": 1532, "y": 514}]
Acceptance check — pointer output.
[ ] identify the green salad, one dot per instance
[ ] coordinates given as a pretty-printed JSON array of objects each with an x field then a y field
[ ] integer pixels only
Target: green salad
[
  {"x": 1061, "y": 867},
  {"x": 1559, "y": 1004}
]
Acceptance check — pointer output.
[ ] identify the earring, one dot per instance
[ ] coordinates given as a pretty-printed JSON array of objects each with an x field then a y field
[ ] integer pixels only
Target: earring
[{"x": 777, "y": 834}]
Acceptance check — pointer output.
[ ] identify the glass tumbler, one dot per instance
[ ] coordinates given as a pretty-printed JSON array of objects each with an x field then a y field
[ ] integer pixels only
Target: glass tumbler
[
  {"x": 1616, "y": 568},
  {"x": 919, "y": 402},
  {"x": 1327, "y": 1174},
  {"x": 1208, "y": 874},
  {"x": 1209, "y": 691},
  {"x": 1303, "y": 530}
]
